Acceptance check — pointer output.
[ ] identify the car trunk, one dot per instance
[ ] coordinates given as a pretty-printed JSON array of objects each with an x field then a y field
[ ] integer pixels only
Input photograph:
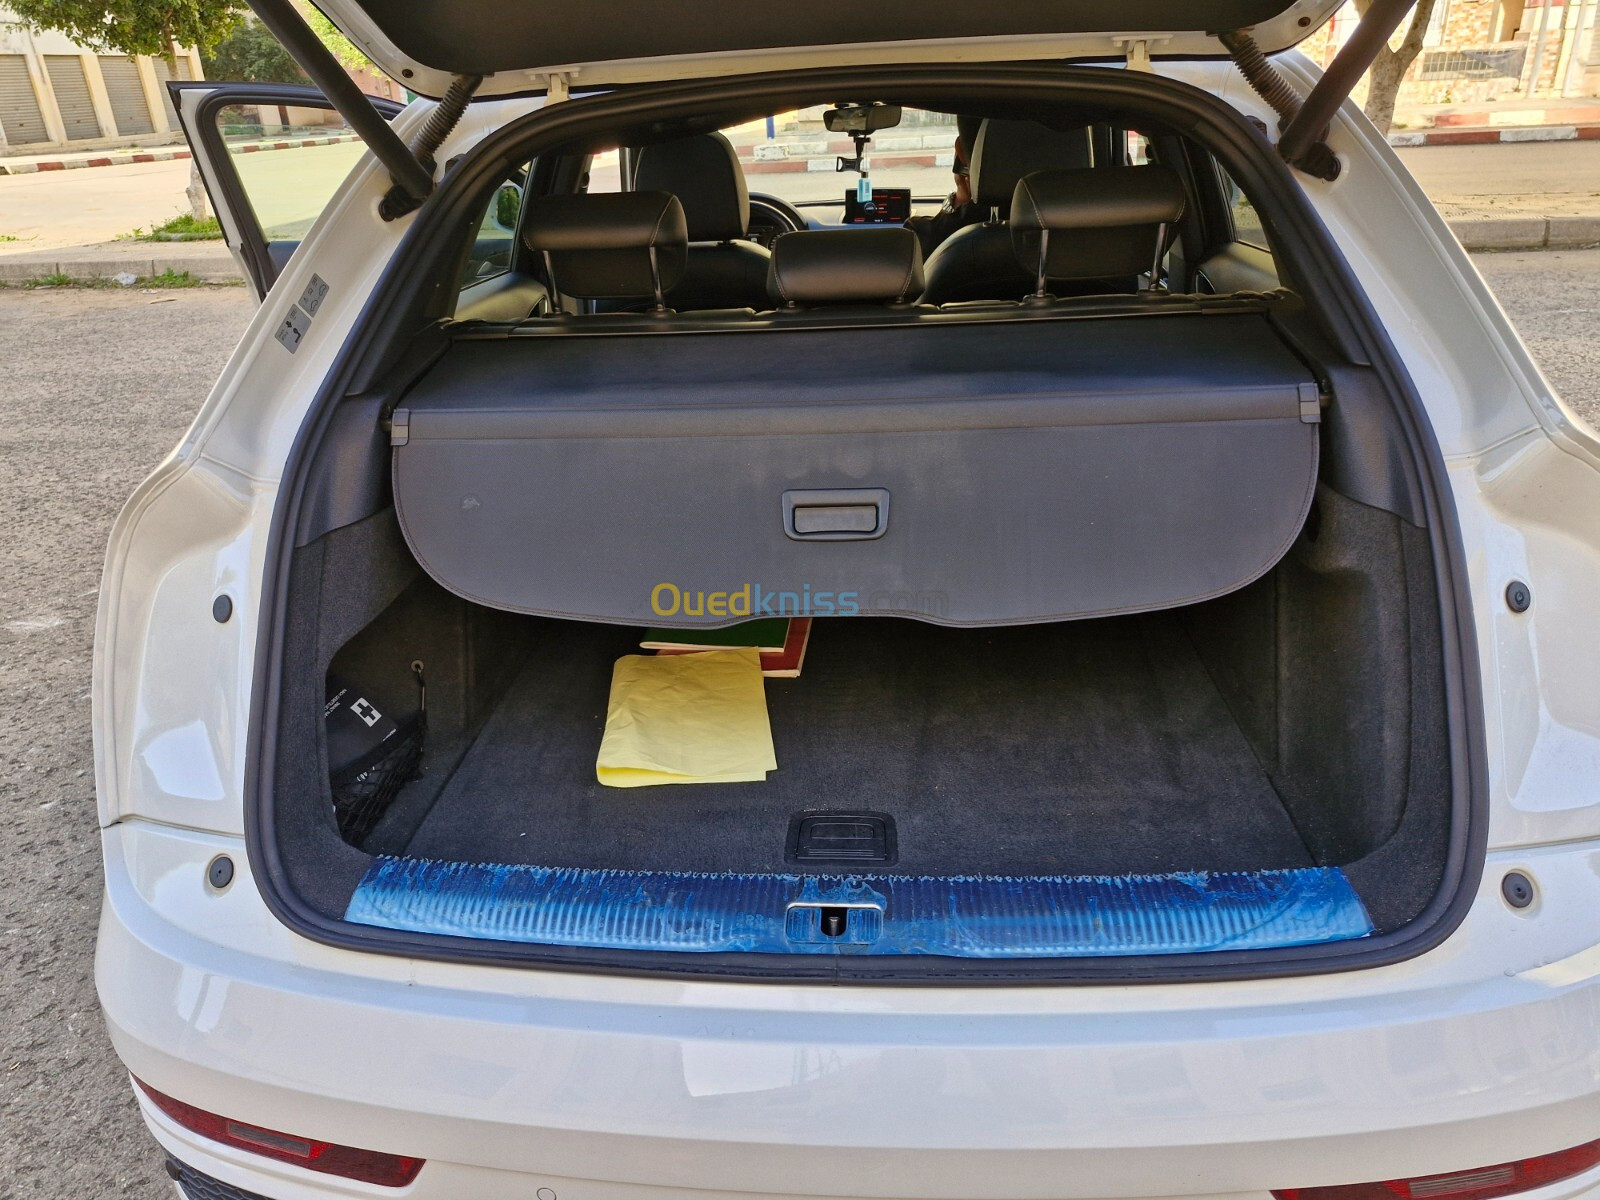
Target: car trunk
[{"x": 1242, "y": 698}]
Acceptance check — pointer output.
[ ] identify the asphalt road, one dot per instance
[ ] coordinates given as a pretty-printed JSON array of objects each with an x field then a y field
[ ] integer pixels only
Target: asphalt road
[
  {"x": 99, "y": 386},
  {"x": 1557, "y": 169}
]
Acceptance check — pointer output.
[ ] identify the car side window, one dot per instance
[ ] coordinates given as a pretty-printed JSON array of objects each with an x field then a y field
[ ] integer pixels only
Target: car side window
[
  {"x": 494, "y": 243},
  {"x": 1247, "y": 226},
  {"x": 289, "y": 161}
]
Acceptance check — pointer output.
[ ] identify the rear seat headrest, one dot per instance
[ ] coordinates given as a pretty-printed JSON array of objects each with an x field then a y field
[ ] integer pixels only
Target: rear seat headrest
[
  {"x": 1107, "y": 222},
  {"x": 611, "y": 245},
  {"x": 857, "y": 266},
  {"x": 1008, "y": 150},
  {"x": 703, "y": 172}
]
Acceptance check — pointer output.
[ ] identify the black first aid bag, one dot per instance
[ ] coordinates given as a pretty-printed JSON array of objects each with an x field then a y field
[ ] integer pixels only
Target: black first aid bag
[{"x": 372, "y": 754}]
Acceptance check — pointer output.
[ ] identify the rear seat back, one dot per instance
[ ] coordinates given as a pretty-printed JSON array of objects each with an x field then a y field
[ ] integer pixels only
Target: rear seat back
[
  {"x": 1109, "y": 223},
  {"x": 610, "y": 246},
  {"x": 819, "y": 268},
  {"x": 976, "y": 263}
]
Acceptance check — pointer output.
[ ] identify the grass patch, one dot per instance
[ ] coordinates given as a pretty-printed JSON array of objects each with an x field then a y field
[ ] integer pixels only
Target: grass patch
[
  {"x": 166, "y": 279},
  {"x": 172, "y": 279},
  {"x": 50, "y": 279},
  {"x": 9, "y": 237},
  {"x": 181, "y": 228}
]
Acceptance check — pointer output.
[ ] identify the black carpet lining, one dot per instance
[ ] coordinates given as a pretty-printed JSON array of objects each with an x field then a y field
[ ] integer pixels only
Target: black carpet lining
[{"x": 1080, "y": 748}]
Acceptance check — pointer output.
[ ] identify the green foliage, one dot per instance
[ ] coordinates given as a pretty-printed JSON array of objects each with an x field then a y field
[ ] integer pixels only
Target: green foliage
[
  {"x": 172, "y": 279},
  {"x": 181, "y": 228},
  {"x": 507, "y": 204},
  {"x": 341, "y": 47},
  {"x": 51, "y": 279},
  {"x": 186, "y": 225},
  {"x": 133, "y": 26},
  {"x": 252, "y": 54}
]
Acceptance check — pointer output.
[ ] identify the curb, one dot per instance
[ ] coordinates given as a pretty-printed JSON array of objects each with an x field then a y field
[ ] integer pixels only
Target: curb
[
  {"x": 93, "y": 270},
  {"x": 1527, "y": 233},
  {"x": 1484, "y": 118},
  {"x": 124, "y": 157},
  {"x": 1486, "y": 137}
]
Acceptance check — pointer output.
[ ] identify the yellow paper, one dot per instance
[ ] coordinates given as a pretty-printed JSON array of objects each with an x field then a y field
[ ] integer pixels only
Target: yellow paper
[{"x": 686, "y": 718}]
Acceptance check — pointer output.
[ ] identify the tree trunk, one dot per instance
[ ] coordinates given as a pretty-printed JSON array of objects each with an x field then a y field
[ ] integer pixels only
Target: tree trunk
[
  {"x": 196, "y": 191},
  {"x": 1390, "y": 67},
  {"x": 1383, "y": 86}
]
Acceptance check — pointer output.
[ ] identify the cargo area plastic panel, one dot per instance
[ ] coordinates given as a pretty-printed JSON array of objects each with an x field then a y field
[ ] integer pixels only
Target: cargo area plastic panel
[
  {"x": 969, "y": 474},
  {"x": 964, "y": 916}
]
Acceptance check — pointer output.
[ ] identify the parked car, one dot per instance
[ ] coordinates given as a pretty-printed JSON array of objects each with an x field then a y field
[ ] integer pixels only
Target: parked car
[{"x": 1189, "y": 788}]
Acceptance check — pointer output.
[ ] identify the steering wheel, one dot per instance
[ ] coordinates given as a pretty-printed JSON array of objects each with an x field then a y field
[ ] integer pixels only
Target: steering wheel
[{"x": 771, "y": 217}]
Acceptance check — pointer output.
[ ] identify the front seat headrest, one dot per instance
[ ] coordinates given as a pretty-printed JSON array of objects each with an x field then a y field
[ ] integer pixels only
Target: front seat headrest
[
  {"x": 1096, "y": 223},
  {"x": 1008, "y": 150},
  {"x": 703, "y": 172},
  {"x": 611, "y": 245},
  {"x": 859, "y": 266}
]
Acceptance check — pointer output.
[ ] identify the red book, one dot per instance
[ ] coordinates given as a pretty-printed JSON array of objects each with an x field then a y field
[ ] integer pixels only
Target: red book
[{"x": 783, "y": 664}]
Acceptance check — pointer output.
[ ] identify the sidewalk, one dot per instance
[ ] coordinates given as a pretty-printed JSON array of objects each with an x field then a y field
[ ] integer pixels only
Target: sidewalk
[
  {"x": 63, "y": 160},
  {"x": 209, "y": 262}
]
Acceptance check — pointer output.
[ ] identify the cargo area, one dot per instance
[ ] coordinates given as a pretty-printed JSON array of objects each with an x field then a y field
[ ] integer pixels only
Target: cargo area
[{"x": 1293, "y": 724}]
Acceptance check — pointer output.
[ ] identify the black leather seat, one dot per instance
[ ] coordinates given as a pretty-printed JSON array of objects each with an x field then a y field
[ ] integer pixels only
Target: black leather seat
[
  {"x": 609, "y": 246},
  {"x": 1094, "y": 231},
  {"x": 703, "y": 172},
  {"x": 826, "y": 268},
  {"x": 977, "y": 263}
]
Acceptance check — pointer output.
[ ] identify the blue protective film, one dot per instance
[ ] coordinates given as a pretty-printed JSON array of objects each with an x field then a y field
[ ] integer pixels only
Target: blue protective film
[{"x": 961, "y": 916}]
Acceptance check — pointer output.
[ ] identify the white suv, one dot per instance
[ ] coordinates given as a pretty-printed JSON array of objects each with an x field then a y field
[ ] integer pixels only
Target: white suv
[{"x": 1184, "y": 705}]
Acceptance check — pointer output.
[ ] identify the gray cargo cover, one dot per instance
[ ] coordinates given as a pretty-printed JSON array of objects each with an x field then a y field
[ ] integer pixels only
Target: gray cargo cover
[{"x": 967, "y": 473}]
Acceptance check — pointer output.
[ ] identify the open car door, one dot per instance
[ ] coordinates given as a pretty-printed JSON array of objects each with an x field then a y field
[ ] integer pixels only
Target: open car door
[{"x": 271, "y": 156}]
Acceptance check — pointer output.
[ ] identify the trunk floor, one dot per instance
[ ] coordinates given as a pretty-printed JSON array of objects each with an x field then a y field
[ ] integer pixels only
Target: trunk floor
[{"x": 1091, "y": 747}]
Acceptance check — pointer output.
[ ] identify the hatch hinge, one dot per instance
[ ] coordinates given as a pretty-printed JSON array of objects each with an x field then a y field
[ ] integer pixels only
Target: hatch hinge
[
  {"x": 558, "y": 86},
  {"x": 400, "y": 425},
  {"x": 1136, "y": 48}
]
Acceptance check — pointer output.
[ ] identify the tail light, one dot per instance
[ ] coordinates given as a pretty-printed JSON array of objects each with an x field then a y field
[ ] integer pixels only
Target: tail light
[
  {"x": 368, "y": 1166},
  {"x": 1480, "y": 1183}
]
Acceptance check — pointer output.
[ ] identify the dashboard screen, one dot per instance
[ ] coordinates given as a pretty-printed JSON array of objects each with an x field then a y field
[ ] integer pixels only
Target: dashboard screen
[{"x": 888, "y": 206}]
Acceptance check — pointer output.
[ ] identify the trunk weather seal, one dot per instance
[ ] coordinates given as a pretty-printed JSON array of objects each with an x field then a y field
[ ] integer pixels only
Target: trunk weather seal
[{"x": 1317, "y": 266}]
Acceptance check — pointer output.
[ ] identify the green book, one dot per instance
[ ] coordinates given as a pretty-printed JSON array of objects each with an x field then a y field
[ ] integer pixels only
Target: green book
[{"x": 767, "y": 635}]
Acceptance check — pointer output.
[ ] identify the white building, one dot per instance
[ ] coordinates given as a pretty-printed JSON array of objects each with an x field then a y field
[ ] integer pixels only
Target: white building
[{"x": 54, "y": 93}]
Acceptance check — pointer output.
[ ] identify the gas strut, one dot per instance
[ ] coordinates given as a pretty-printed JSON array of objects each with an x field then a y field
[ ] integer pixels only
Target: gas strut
[
  {"x": 410, "y": 169},
  {"x": 1304, "y": 124},
  {"x": 434, "y": 131}
]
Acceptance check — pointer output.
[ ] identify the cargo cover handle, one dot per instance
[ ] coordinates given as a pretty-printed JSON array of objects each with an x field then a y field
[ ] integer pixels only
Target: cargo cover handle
[{"x": 836, "y": 514}]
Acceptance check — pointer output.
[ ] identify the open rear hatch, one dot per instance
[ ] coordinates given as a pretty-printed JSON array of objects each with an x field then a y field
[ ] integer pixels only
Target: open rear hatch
[
  {"x": 603, "y": 43},
  {"x": 1153, "y": 652}
]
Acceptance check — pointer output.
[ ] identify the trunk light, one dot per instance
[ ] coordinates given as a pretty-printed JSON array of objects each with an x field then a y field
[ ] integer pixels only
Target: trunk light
[
  {"x": 1480, "y": 1183},
  {"x": 369, "y": 1166}
]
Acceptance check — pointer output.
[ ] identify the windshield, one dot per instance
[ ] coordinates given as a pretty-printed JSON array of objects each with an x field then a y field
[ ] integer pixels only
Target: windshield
[{"x": 794, "y": 158}]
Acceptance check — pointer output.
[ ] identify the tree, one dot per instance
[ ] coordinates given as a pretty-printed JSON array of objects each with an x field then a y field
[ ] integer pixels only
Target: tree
[
  {"x": 153, "y": 27},
  {"x": 1392, "y": 63},
  {"x": 133, "y": 26},
  {"x": 341, "y": 47},
  {"x": 252, "y": 54}
]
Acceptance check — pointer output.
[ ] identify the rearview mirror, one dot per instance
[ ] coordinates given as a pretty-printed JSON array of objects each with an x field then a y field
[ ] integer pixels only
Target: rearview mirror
[{"x": 861, "y": 118}]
